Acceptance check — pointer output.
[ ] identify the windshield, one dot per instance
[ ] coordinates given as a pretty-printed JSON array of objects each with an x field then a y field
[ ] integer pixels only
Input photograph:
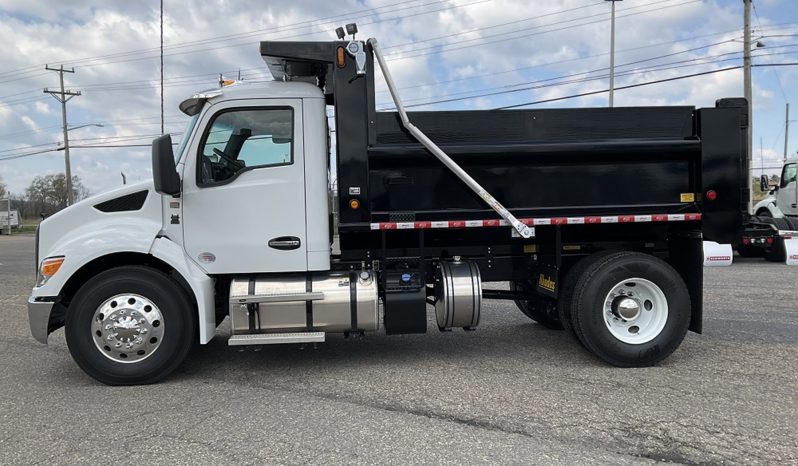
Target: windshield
[{"x": 186, "y": 136}]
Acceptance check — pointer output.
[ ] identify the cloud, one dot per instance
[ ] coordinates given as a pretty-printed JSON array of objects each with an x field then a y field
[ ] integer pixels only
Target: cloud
[
  {"x": 29, "y": 122},
  {"x": 42, "y": 108}
]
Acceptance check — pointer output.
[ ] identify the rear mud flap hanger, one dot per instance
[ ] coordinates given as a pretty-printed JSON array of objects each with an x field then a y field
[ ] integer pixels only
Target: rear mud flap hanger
[{"x": 522, "y": 229}]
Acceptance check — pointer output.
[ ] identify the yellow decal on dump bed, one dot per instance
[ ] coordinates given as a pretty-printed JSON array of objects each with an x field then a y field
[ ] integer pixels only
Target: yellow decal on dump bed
[
  {"x": 530, "y": 248},
  {"x": 546, "y": 283},
  {"x": 687, "y": 197}
]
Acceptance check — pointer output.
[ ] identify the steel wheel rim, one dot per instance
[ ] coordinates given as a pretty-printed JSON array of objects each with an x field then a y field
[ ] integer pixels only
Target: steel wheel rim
[
  {"x": 127, "y": 328},
  {"x": 642, "y": 326}
]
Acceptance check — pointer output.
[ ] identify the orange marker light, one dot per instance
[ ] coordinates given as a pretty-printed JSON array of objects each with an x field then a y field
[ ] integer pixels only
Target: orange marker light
[
  {"x": 354, "y": 203},
  {"x": 341, "y": 57},
  {"x": 51, "y": 265}
]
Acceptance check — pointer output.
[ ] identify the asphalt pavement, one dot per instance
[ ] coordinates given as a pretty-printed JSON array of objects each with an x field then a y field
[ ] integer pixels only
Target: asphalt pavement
[{"x": 510, "y": 392}]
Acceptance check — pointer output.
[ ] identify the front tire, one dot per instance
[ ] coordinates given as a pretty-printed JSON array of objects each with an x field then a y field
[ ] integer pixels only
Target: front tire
[
  {"x": 630, "y": 309},
  {"x": 130, "y": 325}
]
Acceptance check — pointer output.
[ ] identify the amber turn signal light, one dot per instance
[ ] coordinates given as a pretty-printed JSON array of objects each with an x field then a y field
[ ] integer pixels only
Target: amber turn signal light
[
  {"x": 354, "y": 204},
  {"x": 51, "y": 265},
  {"x": 341, "y": 57}
]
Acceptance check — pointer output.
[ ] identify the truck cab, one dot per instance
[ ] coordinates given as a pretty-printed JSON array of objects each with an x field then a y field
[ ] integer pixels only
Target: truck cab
[{"x": 781, "y": 199}]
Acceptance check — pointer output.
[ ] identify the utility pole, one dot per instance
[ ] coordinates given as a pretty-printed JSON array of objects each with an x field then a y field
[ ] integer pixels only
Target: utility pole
[
  {"x": 63, "y": 96},
  {"x": 748, "y": 92},
  {"x": 786, "y": 131},
  {"x": 612, "y": 54}
]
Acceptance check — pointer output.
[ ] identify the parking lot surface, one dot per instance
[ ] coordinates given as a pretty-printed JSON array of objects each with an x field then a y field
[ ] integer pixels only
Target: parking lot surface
[{"x": 511, "y": 392}]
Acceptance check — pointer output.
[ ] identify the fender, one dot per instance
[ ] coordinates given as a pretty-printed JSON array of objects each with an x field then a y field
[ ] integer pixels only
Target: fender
[
  {"x": 768, "y": 204},
  {"x": 201, "y": 284}
]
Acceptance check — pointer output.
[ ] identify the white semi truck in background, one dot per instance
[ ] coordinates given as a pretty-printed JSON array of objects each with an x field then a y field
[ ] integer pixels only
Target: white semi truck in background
[
  {"x": 595, "y": 217},
  {"x": 767, "y": 233}
]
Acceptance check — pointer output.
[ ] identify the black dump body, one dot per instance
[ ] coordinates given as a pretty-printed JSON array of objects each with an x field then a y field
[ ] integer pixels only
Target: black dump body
[
  {"x": 654, "y": 179},
  {"x": 539, "y": 163}
]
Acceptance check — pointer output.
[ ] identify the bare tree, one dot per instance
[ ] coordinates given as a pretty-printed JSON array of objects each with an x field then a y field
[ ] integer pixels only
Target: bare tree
[
  {"x": 48, "y": 194},
  {"x": 2, "y": 188}
]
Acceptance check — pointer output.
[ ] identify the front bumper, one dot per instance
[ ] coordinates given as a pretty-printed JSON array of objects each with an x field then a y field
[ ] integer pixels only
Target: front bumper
[{"x": 39, "y": 318}]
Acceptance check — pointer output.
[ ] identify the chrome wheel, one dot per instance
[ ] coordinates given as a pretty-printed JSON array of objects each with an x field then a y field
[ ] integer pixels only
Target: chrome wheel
[
  {"x": 127, "y": 328},
  {"x": 635, "y": 311}
]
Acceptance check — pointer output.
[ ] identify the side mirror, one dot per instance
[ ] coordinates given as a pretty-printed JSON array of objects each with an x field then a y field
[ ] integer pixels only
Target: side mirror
[
  {"x": 164, "y": 171},
  {"x": 764, "y": 183}
]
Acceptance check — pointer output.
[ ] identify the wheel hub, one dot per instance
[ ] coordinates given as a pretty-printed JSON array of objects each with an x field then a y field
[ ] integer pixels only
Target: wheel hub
[
  {"x": 127, "y": 328},
  {"x": 635, "y": 311},
  {"x": 625, "y": 308}
]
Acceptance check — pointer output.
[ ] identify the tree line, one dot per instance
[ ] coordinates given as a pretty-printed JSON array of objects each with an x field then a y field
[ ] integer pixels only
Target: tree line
[{"x": 45, "y": 196}]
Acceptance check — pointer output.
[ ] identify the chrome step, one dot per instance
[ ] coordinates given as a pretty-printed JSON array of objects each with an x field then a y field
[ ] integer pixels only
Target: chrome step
[
  {"x": 277, "y": 298},
  {"x": 276, "y": 338}
]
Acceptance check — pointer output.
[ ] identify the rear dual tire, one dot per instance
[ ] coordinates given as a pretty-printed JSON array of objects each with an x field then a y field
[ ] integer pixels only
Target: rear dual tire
[
  {"x": 627, "y": 308},
  {"x": 538, "y": 308}
]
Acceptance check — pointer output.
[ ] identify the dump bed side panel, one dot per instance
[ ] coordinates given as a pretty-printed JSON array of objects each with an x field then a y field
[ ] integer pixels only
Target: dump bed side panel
[{"x": 538, "y": 162}]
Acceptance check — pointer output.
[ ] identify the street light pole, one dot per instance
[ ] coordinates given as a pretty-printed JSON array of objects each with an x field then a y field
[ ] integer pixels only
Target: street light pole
[
  {"x": 748, "y": 92},
  {"x": 98, "y": 125},
  {"x": 612, "y": 54}
]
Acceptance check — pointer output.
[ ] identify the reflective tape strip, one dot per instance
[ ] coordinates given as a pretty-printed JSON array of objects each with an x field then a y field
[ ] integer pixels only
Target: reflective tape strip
[{"x": 538, "y": 221}]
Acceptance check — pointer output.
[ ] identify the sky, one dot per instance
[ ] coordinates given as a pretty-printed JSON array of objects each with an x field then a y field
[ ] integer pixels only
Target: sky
[{"x": 443, "y": 54}]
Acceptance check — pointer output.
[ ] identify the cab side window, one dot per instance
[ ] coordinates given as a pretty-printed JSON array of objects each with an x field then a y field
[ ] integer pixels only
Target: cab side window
[
  {"x": 787, "y": 175},
  {"x": 241, "y": 140}
]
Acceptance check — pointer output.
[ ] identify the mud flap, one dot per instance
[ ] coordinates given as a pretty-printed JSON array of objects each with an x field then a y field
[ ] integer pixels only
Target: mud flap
[
  {"x": 717, "y": 255},
  {"x": 791, "y": 248}
]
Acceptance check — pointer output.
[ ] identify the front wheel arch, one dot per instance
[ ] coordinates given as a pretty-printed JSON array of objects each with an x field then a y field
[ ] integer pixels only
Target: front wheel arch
[{"x": 101, "y": 264}]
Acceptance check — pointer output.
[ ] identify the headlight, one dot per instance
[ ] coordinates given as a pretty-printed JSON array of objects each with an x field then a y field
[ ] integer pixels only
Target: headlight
[{"x": 48, "y": 268}]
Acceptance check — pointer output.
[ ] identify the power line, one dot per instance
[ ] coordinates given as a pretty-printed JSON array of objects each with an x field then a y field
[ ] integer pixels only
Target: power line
[
  {"x": 630, "y": 86},
  {"x": 469, "y": 31},
  {"x": 87, "y": 62},
  {"x": 628, "y": 72},
  {"x": 559, "y": 62},
  {"x": 123, "y": 86},
  {"x": 537, "y": 83},
  {"x": 78, "y": 61},
  {"x": 584, "y": 94},
  {"x": 434, "y": 50}
]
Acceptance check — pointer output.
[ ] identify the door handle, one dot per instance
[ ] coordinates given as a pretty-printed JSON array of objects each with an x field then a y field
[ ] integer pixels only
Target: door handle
[{"x": 285, "y": 243}]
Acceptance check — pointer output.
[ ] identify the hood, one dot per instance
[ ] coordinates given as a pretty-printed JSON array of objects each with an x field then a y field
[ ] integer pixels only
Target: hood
[{"x": 134, "y": 206}]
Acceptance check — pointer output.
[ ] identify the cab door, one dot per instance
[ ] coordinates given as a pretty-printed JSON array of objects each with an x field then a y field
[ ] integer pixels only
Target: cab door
[
  {"x": 786, "y": 195},
  {"x": 243, "y": 196}
]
